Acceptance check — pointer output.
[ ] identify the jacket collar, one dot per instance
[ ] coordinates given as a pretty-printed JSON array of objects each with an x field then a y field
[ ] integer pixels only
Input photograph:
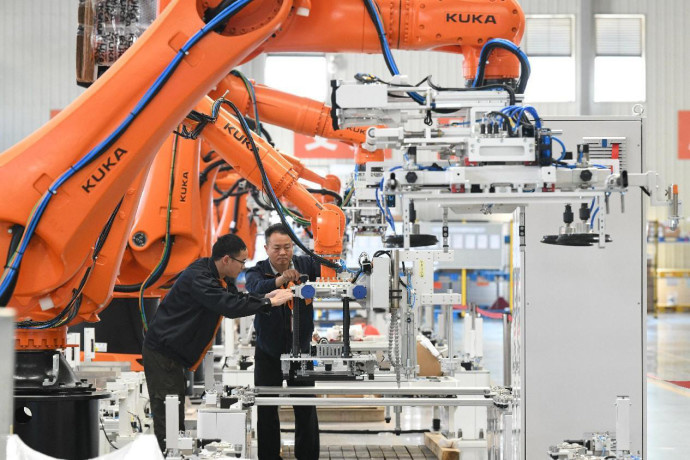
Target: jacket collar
[
  {"x": 212, "y": 267},
  {"x": 267, "y": 268}
]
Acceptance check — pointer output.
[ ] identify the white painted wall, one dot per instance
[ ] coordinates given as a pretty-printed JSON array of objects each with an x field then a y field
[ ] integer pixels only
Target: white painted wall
[{"x": 37, "y": 64}]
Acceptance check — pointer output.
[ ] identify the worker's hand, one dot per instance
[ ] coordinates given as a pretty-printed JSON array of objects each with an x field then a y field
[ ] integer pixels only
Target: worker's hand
[
  {"x": 280, "y": 296},
  {"x": 287, "y": 276}
]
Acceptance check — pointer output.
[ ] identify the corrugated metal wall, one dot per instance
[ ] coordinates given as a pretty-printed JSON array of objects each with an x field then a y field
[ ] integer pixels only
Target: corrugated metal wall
[{"x": 37, "y": 73}]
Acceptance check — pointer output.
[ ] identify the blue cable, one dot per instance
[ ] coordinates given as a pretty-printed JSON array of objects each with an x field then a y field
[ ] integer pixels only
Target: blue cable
[
  {"x": 532, "y": 111},
  {"x": 591, "y": 206},
  {"x": 103, "y": 145},
  {"x": 562, "y": 146},
  {"x": 484, "y": 56},
  {"x": 386, "y": 215},
  {"x": 388, "y": 56},
  {"x": 342, "y": 264},
  {"x": 591, "y": 222}
]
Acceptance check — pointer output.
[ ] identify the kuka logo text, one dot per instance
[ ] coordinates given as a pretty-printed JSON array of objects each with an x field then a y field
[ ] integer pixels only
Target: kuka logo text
[
  {"x": 473, "y": 18},
  {"x": 103, "y": 169}
]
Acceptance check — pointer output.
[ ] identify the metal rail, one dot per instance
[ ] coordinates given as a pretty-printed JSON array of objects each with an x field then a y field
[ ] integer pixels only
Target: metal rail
[
  {"x": 372, "y": 390},
  {"x": 291, "y": 401}
]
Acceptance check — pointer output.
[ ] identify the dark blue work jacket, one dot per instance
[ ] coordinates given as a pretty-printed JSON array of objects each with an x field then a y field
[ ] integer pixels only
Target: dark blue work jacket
[
  {"x": 188, "y": 318},
  {"x": 273, "y": 327}
]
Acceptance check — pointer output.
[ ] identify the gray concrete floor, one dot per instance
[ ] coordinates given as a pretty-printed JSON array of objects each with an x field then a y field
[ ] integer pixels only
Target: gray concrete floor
[{"x": 668, "y": 405}]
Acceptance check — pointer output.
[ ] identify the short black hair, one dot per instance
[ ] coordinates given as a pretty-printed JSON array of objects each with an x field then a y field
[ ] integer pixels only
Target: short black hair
[
  {"x": 276, "y": 228},
  {"x": 227, "y": 245}
]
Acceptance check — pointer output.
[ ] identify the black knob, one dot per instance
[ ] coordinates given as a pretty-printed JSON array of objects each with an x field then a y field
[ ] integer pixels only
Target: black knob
[
  {"x": 411, "y": 177},
  {"x": 586, "y": 175},
  {"x": 584, "y": 212},
  {"x": 568, "y": 215},
  {"x": 393, "y": 182}
]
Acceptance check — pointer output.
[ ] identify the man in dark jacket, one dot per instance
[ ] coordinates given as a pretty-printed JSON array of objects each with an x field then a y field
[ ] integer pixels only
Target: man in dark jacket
[
  {"x": 274, "y": 337},
  {"x": 183, "y": 328}
]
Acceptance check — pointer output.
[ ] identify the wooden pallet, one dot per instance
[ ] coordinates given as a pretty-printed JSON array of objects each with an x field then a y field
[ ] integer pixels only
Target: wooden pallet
[
  {"x": 433, "y": 442},
  {"x": 341, "y": 414}
]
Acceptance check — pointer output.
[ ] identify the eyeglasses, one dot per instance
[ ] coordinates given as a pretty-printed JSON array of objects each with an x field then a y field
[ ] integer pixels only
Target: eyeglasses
[{"x": 243, "y": 262}]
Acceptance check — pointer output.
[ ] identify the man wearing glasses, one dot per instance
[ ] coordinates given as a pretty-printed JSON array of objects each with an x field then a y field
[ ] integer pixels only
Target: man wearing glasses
[
  {"x": 274, "y": 337},
  {"x": 186, "y": 322}
]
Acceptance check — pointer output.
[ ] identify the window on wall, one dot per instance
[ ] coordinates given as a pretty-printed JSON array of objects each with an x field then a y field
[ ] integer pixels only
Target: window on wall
[
  {"x": 548, "y": 42},
  {"x": 619, "y": 65},
  {"x": 298, "y": 74}
]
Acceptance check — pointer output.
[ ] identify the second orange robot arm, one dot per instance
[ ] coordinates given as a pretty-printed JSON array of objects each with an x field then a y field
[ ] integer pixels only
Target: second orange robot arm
[
  {"x": 299, "y": 114},
  {"x": 229, "y": 140}
]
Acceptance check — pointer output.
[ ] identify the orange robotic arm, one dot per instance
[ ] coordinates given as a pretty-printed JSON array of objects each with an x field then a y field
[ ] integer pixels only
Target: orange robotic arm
[
  {"x": 168, "y": 232},
  {"x": 453, "y": 26},
  {"x": 299, "y": 114},
  {"x": 227, "y": 136},
  {"x": 233, "y": 215}
]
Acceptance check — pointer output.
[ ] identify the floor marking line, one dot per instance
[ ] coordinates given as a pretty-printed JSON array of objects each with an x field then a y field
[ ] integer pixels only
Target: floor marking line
[{"x": 669, "y": 386}]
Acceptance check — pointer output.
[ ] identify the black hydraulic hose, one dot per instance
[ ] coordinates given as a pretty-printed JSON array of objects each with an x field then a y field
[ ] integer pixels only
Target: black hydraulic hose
[
  {"x": 17, "y": 232},
  {"x": 256, "y": 194},
  {"x": 346, "y": 328},
  {"x": 208, "y": 156},
  {"x": 323, "y": 191},
  {"x": 230, "y": 192},
  {"x": 155, "y": 276},
  {"x": 267, "y": 136},
  {"x": 203, "y": 176}
]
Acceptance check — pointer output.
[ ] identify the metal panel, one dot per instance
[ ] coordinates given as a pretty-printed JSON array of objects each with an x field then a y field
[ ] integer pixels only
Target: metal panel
[{"x": 583, "y": 324}]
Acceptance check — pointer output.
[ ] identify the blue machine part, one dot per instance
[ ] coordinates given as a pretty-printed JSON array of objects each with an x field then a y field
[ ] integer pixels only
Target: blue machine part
[
  {"x": 359, "y": 292},
  {"x": 308, "y": 292}
]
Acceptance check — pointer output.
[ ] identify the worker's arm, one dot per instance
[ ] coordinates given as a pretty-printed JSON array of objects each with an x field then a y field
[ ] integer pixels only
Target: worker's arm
[
  {"x": 229, "y": 304},
  {"x": 256, "y": 284}
]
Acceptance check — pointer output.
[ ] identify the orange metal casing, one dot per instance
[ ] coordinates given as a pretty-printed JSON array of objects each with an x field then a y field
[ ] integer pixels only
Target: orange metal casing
[
  {"x": 229, "y": 141},
  {"x": 299, "y": 114},
  {"x": 186, "y": 224},
  {"x": 453, "y": 26}
]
